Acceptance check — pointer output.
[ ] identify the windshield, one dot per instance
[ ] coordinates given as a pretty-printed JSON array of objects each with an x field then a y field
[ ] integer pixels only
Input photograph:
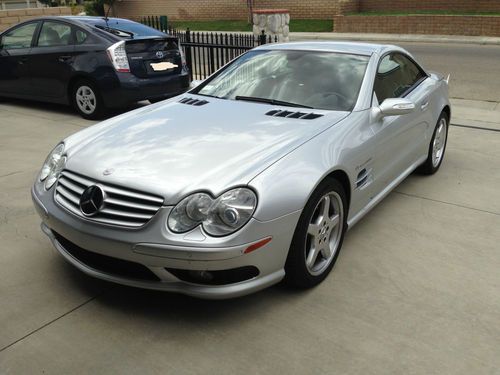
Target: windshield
[{"x": 322, "y": 80}]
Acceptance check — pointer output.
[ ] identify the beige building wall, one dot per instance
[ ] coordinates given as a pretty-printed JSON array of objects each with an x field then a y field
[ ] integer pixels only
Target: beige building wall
[
  {"x": 9, "y": 18},
  {"x": 229, "y": 9}
]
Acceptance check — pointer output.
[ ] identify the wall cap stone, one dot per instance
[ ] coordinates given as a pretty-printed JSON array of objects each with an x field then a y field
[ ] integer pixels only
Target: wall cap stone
[{"x": 270, "y": 11}]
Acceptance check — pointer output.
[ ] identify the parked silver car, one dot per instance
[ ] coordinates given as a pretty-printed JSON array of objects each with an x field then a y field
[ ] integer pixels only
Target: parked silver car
[{"x": 251, "y": 177}]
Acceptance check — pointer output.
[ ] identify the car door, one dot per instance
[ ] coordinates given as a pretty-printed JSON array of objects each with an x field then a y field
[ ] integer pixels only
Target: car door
[
  {"x": 15, "y": 48},
  {"x": 51, "y": 59},
  {"x": 398, "y": 139}
]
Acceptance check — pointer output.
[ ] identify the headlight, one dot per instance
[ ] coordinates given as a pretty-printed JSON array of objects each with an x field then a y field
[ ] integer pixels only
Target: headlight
[
  {"x": 219, "y": 217},
  {"x": 53, "y": 166}
]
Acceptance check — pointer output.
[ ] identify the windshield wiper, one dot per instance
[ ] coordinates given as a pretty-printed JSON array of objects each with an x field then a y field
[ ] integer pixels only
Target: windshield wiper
[
  {"x": 117, "y": 32},
  {"x": 270, "y": 101}
]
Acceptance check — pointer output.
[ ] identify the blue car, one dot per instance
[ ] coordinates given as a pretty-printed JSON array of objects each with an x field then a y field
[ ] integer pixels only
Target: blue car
[{"x": 91, "y": 63}]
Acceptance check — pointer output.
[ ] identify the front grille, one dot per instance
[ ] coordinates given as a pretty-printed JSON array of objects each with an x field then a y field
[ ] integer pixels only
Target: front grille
[
  {"x": 107, "y": 264},
  {"x": 123, "y": 207}
]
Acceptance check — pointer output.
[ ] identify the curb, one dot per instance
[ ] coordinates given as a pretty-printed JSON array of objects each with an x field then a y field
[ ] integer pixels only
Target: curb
[{"x": 398, "y": 38}]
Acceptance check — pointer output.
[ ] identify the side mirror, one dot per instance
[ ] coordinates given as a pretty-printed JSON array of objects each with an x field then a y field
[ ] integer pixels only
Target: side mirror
[
  {"x": 195, "y": 83},
  {"x": 396, "y": 107}
]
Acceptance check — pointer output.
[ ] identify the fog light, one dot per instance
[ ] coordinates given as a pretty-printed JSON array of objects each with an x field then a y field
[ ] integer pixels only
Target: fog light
[{"x": 203, "y": 276}]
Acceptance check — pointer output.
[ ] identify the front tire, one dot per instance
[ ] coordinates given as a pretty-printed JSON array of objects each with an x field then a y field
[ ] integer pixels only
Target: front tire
[
  {"x": 318, "y": 236},
  {"x": 87, "y": 100},
  {"x": 437, "y": 146}
]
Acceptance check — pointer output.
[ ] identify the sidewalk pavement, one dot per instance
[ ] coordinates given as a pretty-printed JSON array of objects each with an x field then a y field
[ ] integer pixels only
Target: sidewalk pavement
[
  {"x": 396, "y": 38},
  {"x": 475, "y": 113},
  {"x": 415, "y": 288}
]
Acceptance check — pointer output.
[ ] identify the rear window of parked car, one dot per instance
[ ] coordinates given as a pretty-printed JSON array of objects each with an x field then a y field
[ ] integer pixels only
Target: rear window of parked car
[{"x": 134, "y": 29}]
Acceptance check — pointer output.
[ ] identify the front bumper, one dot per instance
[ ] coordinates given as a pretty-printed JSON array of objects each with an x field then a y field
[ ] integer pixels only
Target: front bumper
[
  {"x": 159, "y": 250},
  {"x": 128, "y": 88}
]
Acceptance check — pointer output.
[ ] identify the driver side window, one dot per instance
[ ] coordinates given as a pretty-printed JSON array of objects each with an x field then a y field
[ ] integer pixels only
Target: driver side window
[
  {"x": 396, "y": 75},
  {"x": 20, "y": 37}
]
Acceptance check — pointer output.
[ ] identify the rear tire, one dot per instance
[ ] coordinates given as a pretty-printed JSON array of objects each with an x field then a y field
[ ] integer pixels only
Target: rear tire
[
  {"x": 87, "y": 100},
  {"x": 318, "y": 236},
  {"x": 437, "y": 146}
]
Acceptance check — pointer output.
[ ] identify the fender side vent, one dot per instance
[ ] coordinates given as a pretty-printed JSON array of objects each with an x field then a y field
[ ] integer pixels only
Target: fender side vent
[
  {"x": 290, "y": 114},
  {"x": 192, "y": 101}
]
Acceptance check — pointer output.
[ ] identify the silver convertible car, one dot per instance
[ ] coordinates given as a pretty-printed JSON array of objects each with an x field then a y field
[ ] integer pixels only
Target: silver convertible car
[{"x": 251, "y": 177}]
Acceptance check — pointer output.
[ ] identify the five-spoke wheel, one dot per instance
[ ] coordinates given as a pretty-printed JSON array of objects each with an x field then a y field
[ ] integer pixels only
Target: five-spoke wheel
[
  {"x": 437, "y": 146},
  {"x": 439, "y": 142},
  {"x": 323, "y": 233}
]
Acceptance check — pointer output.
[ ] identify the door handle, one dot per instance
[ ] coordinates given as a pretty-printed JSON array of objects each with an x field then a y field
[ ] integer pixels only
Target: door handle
[
  {"x": 424, "y": 105},
  {"x": 64, "y": 58},
  {"x": 23, "y": 60}
]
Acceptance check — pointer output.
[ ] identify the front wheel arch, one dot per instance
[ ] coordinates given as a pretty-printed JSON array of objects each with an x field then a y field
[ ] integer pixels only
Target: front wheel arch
[
  {"x": 447, "y": 110},
  {"x": 343, "y": 179}
]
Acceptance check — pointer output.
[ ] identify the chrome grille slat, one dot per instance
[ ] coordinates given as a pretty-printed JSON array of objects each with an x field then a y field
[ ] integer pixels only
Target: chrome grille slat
[
  {"x": 122, "y": 203},
  {"x": 76, "y": 178},
  {"x": 134, "y": 195},
  {"x": 122, "y": 207},
  {"x": 69, "y": 195},
  {"x": 69, "y": 185},
  {"x": 64, "y": 202},
  {"x": 110, "y": 211}
]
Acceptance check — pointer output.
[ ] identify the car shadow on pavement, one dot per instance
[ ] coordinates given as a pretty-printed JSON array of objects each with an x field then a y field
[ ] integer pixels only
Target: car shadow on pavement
[{"x": 166, "y": 306}]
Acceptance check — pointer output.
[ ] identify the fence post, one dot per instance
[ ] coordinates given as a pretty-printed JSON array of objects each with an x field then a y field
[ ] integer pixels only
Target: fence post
[
  {"x": 164, "y": 23},
  {"x": 189, "y": 59},
  {"x": 262, "y": 38},
  {"x": 212, "y": 62}
]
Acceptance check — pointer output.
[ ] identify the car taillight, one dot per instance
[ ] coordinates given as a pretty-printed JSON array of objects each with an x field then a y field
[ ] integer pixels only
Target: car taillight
[{"x": 118, "y": 56}]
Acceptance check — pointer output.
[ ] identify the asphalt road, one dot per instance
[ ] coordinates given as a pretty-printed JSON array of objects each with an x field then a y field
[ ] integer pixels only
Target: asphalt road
[{"x": 474, "y": 69}]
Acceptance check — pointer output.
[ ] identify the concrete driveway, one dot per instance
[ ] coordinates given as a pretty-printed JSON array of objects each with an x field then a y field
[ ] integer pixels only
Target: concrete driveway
[{"x": 415, "y": 290}]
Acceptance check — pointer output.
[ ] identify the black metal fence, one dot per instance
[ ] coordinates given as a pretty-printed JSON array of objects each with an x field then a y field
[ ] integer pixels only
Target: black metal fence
[
  {"x": 156, "y": 22},
  {"x": 206, "y": 52}
]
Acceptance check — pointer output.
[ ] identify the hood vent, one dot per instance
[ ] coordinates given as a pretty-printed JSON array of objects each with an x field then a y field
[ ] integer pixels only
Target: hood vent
[
  {"x": 291, "y": 114},
  {"x": 192, "y": 101}
]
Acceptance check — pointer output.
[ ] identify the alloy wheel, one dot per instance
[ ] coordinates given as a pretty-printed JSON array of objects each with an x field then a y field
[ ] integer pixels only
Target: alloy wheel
[
  {"x": 86, "y": 100},
  {"x": 324, "y": 233},
  {"x": 439, "y": 142}
]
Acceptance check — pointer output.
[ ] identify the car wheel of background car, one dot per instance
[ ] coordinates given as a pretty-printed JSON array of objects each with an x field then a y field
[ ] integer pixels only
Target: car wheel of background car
[
  {"x": 87, "y": 100},
  {"x": 437, "y": 146},
  {"x": 318, "y": 236}
]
